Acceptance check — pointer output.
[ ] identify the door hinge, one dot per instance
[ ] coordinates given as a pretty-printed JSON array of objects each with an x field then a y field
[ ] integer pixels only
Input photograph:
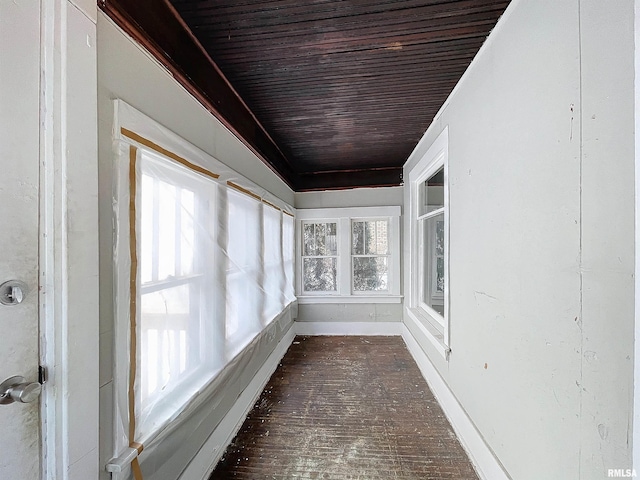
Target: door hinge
[{"x": 42, "y": 375}]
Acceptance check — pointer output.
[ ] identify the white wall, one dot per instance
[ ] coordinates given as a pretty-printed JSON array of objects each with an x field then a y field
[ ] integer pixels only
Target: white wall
[
  {"x": 125, "y": 71},
  {"x": 541, "y": 173},
  {"x": 356, "y": 197}
]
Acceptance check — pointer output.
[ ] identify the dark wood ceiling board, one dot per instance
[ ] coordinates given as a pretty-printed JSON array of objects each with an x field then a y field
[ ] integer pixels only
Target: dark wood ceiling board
[
  {"x": 365, "y": 43},
  {"x": 286, "y": 11},
  {"x": 285, "y": 33},
  {"x": 341, "y": 90},
  {"x": 277, "y": 68},
  {"x": 359, "y": 83},
  {"x": 157, "y": 27}
]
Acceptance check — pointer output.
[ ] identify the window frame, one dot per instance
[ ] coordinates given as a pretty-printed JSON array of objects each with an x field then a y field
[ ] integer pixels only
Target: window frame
[
  {"x": 436, "y": 326},
  {"x": 343, "y": 217}
]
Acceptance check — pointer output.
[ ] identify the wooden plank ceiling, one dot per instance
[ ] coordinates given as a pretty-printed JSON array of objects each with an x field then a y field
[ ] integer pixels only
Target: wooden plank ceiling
[{"x": 340, "y": 90}]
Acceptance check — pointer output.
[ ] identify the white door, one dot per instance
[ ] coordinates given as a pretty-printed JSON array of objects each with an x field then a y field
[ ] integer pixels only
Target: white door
[{"x": 19, "y": 225}]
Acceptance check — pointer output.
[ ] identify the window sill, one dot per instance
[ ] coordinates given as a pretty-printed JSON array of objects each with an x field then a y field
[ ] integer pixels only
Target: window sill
[
  {"x": 433, "y": 332},
  {"x": 309, "y": 299}
]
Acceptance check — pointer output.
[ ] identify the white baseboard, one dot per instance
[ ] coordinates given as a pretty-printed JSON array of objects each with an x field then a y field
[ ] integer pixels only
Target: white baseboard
[
  {"x": 348, "y": 328},
  {"x": 205, "y": 461},
  {"x": 484, "y": 460}
]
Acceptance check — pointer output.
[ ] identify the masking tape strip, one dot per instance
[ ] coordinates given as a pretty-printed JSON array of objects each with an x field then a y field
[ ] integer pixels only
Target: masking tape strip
[
  {"x": 244, "y": 190},
  {"x": 271, "y": 204},
  {"x": 135, "y": 467},
  {"x": 133, "y": 309},
  {"x": 154, "y": 146}
]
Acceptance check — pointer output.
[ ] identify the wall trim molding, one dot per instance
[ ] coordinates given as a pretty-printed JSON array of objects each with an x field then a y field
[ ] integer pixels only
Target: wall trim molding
[
  {"x": 484, "y": 460},
  {"x": 348, "y": 328},
  {"x": 209, "y": 455}
]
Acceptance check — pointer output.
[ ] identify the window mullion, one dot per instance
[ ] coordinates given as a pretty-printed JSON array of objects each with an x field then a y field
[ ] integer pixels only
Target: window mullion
[
  {"x": 433, "y": 213},
  {"x": 344, "y": 257}
]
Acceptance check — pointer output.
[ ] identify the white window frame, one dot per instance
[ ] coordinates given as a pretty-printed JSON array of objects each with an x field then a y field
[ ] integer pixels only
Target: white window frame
[
  {"x": 343, "y": 217},
  {"x": 436, "y": 326}
]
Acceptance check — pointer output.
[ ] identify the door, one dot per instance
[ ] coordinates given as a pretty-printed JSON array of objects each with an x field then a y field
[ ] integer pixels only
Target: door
[{"x": 19, "y": 225}]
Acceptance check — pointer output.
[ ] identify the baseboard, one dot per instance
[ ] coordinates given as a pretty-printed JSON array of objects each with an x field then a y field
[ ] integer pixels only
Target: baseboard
[
  {"x": 484, "y": 460},
  {"x": 205, "y": 461},
  {"x": 348, "y": 328}
]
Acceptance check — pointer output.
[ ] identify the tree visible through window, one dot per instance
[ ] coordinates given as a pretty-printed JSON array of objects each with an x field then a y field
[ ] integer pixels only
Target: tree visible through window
[
  {"x": 320, "y": 257},
  {"x": 370, "y": 255}
]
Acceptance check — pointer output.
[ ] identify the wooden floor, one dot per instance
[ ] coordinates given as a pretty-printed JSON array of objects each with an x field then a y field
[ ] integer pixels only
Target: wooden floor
[{"x": 346, "y": 408}]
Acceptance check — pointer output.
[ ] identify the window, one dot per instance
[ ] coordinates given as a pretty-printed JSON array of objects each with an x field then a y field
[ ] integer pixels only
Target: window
[
  {"x": 370, "y": 255},
  {"x": 274, "y": 274},
  {"x": 429, "y": 243},
  {"x": 244, "y": 293},
  {"x": 176, "y": 339},
  {"x": 288, "y": 256},
  {"x": 319, "y": 257},
  {"x": 432, "y": 242},
  {"x": 349, "y": 255},
  {"x": 202, "y": 266}
]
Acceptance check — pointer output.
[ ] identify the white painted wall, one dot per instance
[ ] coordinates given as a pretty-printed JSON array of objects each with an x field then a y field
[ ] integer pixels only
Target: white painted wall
[
  {"x": 125, "y": 71},
  {"x": 356, "y": 197},
  {"x": 541, "y": 171}
]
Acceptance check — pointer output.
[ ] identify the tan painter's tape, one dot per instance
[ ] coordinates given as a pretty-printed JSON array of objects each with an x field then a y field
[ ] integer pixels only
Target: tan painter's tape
[
  {"x": 133, "y": 309},
  {"x": 271, "y": 204},
  {"x": 154, "y": 146},
  {"x": 244, "y": 190}
]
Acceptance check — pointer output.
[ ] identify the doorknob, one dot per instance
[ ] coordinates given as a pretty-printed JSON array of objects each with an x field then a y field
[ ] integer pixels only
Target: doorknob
[
  {"x": 12, "y": 292},
  {"x": 17, "y": 389}
]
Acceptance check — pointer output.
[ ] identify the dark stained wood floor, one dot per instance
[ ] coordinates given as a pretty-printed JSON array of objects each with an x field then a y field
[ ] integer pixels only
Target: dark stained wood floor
[{"x": 346, "y": 408}]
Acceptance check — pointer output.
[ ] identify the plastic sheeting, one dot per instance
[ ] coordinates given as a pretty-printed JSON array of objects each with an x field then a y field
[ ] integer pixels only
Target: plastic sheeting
[{"x": 204, "y": 290}]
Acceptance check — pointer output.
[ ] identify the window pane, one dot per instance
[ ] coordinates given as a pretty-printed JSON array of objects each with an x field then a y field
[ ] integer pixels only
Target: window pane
[
  {"x": 433, "y": 267},
  {"x": 274, "y": 276},
  {"x": 319, "y": 239},
  {"x": 370, "y": 237},
  {"x": 187, "y": 232},
  {"x": 370, "y": 274},
  {"x": 148, "y": 247},
  {"x": 169, "y": 330},
  {"x": 432, "y": 193},
  {"x": 244, "y": 286},
  {"x": 358, "y": 237},
  {"x": 167, "y": 230},
  {"x": 320, "y": 274},
  {"x": 288, "y": 242}
]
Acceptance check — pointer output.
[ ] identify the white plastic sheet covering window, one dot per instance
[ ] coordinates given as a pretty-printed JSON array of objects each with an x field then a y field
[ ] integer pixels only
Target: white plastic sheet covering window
[{"x": 213, "y": 279}]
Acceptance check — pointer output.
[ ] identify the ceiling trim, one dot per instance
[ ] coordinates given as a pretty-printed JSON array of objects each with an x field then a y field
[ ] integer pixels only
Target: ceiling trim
[
  {"x": 345, "y": 179},
  {"x": 158, "y": 28}
]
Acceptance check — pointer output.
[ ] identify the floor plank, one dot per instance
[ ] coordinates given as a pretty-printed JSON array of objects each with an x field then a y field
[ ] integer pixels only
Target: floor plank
[{"x": 346, "y": 408}]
